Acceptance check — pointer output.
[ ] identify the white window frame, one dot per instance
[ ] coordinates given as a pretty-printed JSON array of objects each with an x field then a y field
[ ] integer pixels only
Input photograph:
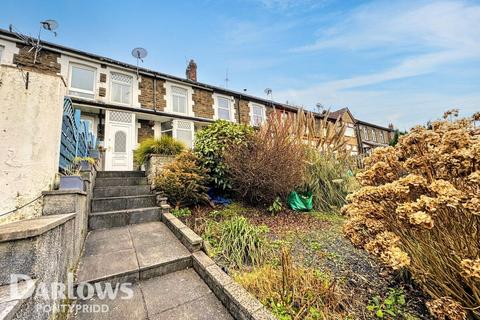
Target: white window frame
[
  {"x": 169, "y": 98},
  {"x": 85, "y": 67},
  {"x": 93, "y": 121},
  {"x": 176, "y": 129},
  {"x": 121, "y": 83},
  {"x": 264, "y": 113},
  {"x": 216, "y": 107},
  {"x": 382, "y": 137},
  {"x": 350, "y": 127}
]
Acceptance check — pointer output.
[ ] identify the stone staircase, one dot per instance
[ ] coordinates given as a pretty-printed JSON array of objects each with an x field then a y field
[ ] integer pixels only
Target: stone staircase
[{"x": 128, "y": 242}]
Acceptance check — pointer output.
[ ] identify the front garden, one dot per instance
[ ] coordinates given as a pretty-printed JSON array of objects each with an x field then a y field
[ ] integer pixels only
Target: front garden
[{"x": 285, "y": 211}]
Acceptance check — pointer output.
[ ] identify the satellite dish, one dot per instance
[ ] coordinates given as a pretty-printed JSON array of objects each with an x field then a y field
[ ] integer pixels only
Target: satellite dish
[
  {"x": 139, "y": 54},
  {"x": 49, "y": 24},
  {"x": 268, "y": 91}
]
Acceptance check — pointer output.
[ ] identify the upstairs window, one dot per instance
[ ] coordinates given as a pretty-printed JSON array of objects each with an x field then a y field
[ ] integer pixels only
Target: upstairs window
[
  {"x": 121, "y": 88},
  {"x": 82, "y": 81},
  {"x": 179, "y": 100},
  {"x": 224, "y": 109},
  {"x": 258, "y": 115},
  {"x": 382, "y": 137},
  {"x": 350, "y": 131}
]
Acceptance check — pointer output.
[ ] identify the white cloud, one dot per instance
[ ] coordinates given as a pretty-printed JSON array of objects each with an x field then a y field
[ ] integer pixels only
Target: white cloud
[
  {"x": 429, "y": 36},
  {"x": 433, "y": 25}
]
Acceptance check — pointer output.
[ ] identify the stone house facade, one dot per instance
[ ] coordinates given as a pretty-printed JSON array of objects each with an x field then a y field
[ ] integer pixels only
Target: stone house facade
[
  {"x": 125, "y": 105},
  {"x": 371, "y": 136}
]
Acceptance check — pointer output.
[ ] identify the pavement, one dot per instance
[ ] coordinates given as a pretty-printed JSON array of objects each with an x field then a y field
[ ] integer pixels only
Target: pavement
[{"x": 159, "y": 266}]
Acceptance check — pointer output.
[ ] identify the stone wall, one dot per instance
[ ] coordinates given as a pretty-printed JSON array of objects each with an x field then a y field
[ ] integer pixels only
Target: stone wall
[
  {"x": 47, "y": 61},
  {"x": 154, "y": 164},
  {"x": 145, "y": 131},
  {"x": 31, "y": 121},
  {"x": 146, "y": 93},
  {"x": 203, "y": 103},
  {"x": 46, "y": 248},
  {"x": 244, "y": 116}
]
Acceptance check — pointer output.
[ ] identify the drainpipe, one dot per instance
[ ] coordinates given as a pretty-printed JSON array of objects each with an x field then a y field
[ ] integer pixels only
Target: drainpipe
[
  {"x": 154, "y": 93},
  {"x": 238, "y": 109}
]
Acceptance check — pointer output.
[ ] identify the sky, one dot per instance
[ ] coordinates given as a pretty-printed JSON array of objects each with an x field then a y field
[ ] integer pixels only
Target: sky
[{"x": 401, "y": 62}]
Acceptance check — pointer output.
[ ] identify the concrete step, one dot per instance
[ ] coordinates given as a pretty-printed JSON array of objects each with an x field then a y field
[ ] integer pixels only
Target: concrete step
[
  {"x": 120, "y": 174},
  {"x": 180, "y": 295},
  {"x": 119, "y": 191},
  {"x": 120, "y": 218},
  {"x": 123, "y": 203},
  {"x": 127, "y": 181},
  {"x": 131, "y": 253}
]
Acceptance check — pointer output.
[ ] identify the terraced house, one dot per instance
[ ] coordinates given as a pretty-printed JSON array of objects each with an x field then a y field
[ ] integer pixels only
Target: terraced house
[{"x": 120, "y": 105}]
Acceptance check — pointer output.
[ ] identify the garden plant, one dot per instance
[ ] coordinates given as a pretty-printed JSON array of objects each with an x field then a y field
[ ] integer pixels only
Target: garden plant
[{"x": 418, "y": 210}]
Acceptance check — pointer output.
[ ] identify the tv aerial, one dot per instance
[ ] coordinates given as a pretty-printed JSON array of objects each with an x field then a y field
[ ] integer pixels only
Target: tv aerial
[
  {"x": 139, "y": 54},
  {"x": 49, "y": 25}
]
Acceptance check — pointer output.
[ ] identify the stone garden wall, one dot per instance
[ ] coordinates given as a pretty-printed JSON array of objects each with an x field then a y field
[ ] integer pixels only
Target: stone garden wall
[
  {"x": 46, "y": 249},
  {"x": 154, "y": 164}
]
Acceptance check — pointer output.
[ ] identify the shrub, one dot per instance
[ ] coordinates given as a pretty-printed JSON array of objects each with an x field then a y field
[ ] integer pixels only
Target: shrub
[
  {"x": 293, "y": 292},
  {"x": 210, "y": 145},
  {"x": 269, "y": 165},
  {"x": 238, "y": 241},
  {"x": 183, "y": 181},
  {"x": 330, "y": 178},
  {"x": 165, "y": 145},
  {"x": 179, "y": 213},
  {"x": 418, "y": 209}
]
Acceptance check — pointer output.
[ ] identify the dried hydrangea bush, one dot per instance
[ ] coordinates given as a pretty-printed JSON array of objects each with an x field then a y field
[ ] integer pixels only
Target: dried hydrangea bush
[{"x": 419, "y": 209}]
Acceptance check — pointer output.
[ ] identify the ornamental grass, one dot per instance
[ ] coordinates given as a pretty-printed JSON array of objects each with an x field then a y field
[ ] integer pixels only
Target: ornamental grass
[{"x": 419, "y": 210}]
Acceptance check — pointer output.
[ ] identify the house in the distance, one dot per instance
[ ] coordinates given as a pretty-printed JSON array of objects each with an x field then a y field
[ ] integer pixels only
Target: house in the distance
[
  {"x": 371, "y": 136},
  {"x": 362, "y": 137}
]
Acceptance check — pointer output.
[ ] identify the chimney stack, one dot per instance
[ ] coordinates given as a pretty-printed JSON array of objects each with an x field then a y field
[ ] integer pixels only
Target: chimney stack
[{"x": 191, "y": 71}]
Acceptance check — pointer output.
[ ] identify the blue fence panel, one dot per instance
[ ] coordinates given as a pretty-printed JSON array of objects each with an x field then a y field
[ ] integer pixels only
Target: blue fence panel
[{"x": 76, "y": 139}]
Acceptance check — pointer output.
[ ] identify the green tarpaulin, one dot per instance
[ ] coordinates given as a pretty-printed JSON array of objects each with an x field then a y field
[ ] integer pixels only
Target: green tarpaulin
[{"x": 300, "y": 202}]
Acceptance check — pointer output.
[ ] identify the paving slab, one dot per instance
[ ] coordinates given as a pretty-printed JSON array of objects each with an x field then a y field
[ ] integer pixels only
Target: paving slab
[
  {"x": 156, "y": 245},
  {"x": 105, "y": 245},
  {"x": 207, "y": 307},
  {"x": 118, "y": 309},
  {"x": 172, "y": 290},
  {"x": 107, "y": 266}
]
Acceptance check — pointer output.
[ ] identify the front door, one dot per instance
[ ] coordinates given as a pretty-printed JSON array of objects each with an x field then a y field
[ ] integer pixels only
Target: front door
[{"x": 119, "y": 140}]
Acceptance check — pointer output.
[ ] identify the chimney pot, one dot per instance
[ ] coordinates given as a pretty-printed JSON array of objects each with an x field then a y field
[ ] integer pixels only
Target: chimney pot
[{"x": 191, "y": 71}]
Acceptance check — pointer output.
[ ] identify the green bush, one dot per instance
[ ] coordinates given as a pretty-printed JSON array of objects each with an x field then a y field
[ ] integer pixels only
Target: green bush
[
  {"x": 238, "y": 241},
  {"x": 330, "y": 178},
  {"x": 179, "y": 213},
  {"x": 183, "y": 182},
  {"x": 165, "y": 145},
  {"x": 210, "y": 145}
]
